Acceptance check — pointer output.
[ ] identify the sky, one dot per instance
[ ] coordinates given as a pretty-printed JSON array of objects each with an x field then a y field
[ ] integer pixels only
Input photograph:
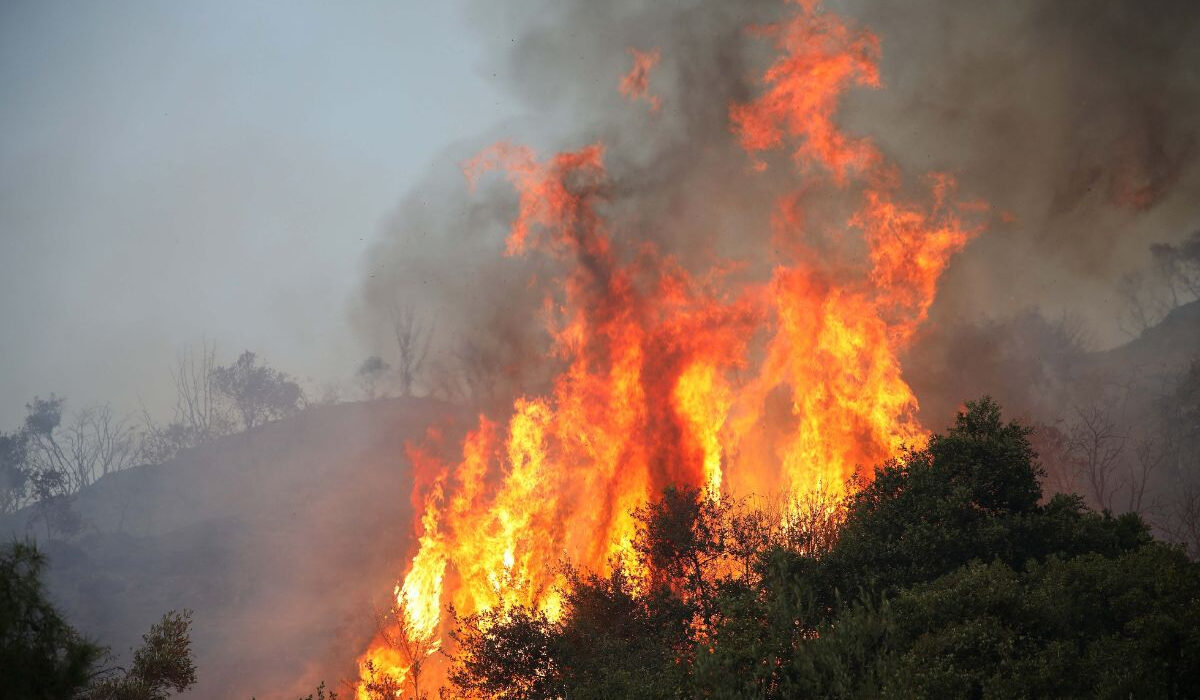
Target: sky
[
  {"x": 246, "y": 172},
  {"x": 178, "y": 172}
]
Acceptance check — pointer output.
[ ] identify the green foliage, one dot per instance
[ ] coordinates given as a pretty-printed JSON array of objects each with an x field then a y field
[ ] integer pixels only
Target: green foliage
[
  {"x": 42, "y": 656},
  {"x": 506, "y": 655},
  {"x": 619, "y": 643},
  {"x": 161, "y": 665},
  {"x": 1090, "y": 626},
  {"x": 946, "y": 578},
  {"x": 934, "y": 510}
]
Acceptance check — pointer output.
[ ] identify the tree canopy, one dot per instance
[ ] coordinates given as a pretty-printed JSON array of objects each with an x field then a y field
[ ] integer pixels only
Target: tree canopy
[{"x": 946, "y": 576}]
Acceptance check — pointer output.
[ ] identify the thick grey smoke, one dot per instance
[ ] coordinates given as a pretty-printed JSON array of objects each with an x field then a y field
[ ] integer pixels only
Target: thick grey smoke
[
  {"x": 1076, "y": 117},
  {"x": 1075, "y": 120}
]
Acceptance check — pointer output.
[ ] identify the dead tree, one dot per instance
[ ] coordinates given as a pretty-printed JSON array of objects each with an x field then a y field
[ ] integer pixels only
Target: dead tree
[
  {"x": 1148, "y": 457},
  {"x": 97, "y": 442},
  {"x": 197, "y": 402},
  {"x": 94, "y": 443},
  {"x": 412, "y": 343},
  {"x": 1099, "y": 445},
  {"x": 199, "y": 415}
]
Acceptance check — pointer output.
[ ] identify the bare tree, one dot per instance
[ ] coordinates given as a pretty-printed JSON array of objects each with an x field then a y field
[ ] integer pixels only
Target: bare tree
[
  {"x": 1110, "y": 460},
  {"x": 1148, "y": 456},
  {"x": 1099, "y": 445},
  {"x": 199, "y": 414},
  {"x": 97, "y": 442},
  {"x": 412, "y": 343},
  {"x": 197, "y": 404},
  {"x": 93, "y": 444}
]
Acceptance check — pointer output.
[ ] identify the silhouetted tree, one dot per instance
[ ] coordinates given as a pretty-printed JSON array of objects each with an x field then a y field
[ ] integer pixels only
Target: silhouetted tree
[
  {"x": 41, "y": 656},
  {"x": 412, "y": 345},
  {"x": 1174, "y": 280},
  {"x": 162, "y": 666},
  {"x": 199, "y": 414},
  {"x": 14, "y": 472},
  {"x": 95, "y": 442},
  {"x": 258, "y": 393}
]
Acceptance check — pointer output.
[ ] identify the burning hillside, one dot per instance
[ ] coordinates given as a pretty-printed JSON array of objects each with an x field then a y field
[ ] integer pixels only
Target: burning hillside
[
  {"x": 712, "y": 349},
  {"x": 733, "y": 378}
]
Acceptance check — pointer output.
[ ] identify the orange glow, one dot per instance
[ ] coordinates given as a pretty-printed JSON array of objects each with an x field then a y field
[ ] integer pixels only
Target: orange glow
[
  {"x": 635, "y": 85},
  {"x": 820, "y": 56},
  {"x": 778, "y": 386}
]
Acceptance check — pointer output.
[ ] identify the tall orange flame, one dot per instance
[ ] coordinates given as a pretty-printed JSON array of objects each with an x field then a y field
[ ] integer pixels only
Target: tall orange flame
[{"x": 784, "y": 385}]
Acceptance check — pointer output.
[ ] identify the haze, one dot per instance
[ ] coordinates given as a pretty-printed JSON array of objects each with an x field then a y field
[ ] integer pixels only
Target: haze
[{"x": 179, "y": 171}]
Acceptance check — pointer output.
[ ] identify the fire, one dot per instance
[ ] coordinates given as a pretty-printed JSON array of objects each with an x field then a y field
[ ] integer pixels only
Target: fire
[
  {"x": 783, "y": 385},
  {"x": 635, "y": 84}
]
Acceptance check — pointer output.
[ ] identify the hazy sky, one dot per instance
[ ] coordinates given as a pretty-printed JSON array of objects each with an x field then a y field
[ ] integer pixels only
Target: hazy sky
[{"x": 171, "y": 171}]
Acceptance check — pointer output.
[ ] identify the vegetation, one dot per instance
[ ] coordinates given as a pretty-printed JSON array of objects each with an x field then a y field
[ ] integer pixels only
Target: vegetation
[
  {"x": 55, "y": 454},
  {"x": 1172, "y": 281},
  {"x": 949, "y": 573},
  {"x": 43, "y": 657},
  {"x": 945, "y": 576},
  {"x": 257, "y": 392}
]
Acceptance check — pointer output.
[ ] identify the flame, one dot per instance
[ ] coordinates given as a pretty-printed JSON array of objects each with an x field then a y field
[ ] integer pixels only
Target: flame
[
  {"x": 788, "y": 384},
  {"x": 635, "y": 85}
]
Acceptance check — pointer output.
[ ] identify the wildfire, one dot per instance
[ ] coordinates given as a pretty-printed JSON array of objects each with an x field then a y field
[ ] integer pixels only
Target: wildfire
[
  {"x": 635, "y": 85},
  {"x": 673, "y": 378}
]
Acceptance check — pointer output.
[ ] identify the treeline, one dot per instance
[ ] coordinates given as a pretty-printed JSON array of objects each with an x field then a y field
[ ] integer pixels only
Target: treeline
[
  {"x": 950, "y": 574},
  {"x": 54, "y": 454}
]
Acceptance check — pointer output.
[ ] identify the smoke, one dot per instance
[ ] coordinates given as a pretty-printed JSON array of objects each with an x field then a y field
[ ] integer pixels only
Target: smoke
[
  {"x": 1064, "y": 130},
  {"x": 1075, "y": 117},
  {"x": 1074, "y": 120}
]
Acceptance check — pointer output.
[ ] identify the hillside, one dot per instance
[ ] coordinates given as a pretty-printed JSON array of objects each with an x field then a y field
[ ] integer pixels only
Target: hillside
[
  {"x": 1171, "y": 344},
  {"x": 281, "y": 540}
]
